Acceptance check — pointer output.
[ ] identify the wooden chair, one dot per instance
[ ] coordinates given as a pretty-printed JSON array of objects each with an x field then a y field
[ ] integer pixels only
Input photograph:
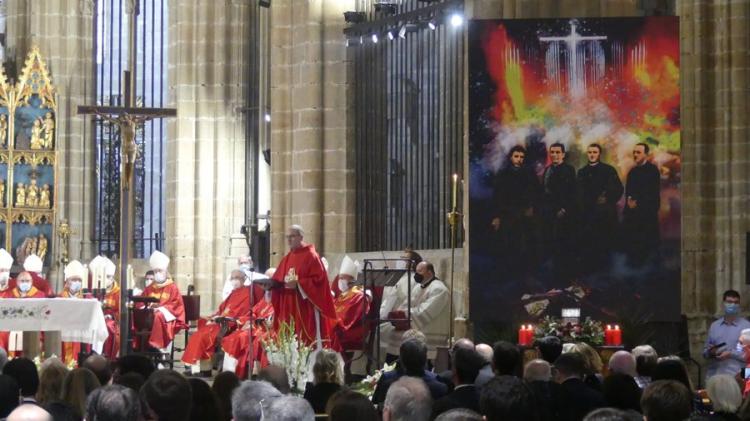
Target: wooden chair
[{"x": 192, "y": 303}]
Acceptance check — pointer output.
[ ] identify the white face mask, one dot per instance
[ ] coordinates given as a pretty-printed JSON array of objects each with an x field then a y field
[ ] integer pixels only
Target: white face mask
[
  {"x": 148, "y": 282},
  {"x": 75, "y": 286},
  {"x": 160, "y": 277},
  {"x": 24, "y": 286},
  {"x": 246, "y": 267},
  {"x": 343, "y": 285},
  {"x": 109, "y": 281}
]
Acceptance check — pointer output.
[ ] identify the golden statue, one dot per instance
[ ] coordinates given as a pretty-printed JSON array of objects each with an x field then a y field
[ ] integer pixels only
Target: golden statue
[
  {"x": 41, "y": 249},
  {"x": 30, "y": 246},
  {"x": 32, "y": 194},
  {"x": 44, "y": 201},
  {"x": 37, "y": 141},
  {"x": 3, "y": 130},
  {"x": 49, "y": 130},
  {"x": 2, "y": 192},
  {"x": 20, "y": 195}
]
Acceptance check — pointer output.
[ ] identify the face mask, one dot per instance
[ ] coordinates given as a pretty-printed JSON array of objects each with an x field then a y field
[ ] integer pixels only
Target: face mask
[
  {"x": 343, "y": 285},
  {"x": 148, "y": 281},
  {"x": 109, "y": 281},
  {"x": 418, "y": 278},
  {"x": 75, "y": 286},
  {"x": 246, "y": 267},
  {"x": 160, "y": 277},
  {"x": 24, "y": 286},
  {"x": 731, "y": 309},
  {"x": 267, "y": 296}
]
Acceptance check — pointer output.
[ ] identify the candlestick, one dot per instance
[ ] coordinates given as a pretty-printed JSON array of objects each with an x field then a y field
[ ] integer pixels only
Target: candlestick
[
  {"x": 131, "y": 279},
  {"x": 455, "y": 191}
]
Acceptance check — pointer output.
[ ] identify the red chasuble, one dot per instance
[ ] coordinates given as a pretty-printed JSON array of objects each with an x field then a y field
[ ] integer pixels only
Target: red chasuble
[
  {"x": 168, "y": 294},
  {"x": 42, "y": 285},
  {"x": 70, "y": 350},
  {"x": 202, "y": 343},
  {"x": 237, "y": 344},
  {"x": 290, "y": 304},
  {"x": 6, "y": 293},
  {"x": 33, "y": 293},
  {"x": 350, "y": 306},
  {"x": 111, "y": 309}
]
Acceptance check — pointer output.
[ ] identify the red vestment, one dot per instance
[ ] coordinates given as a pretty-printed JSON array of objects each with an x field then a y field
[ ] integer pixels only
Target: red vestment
[
  {"x": 291, "y": 304},
  {"x": 16, "y": 293},
  {"x": 42, "y": 285},
  {"x": 162, "y": 331},
  {"x": 6, "y": 293},
  {"x": 350, "y": 307},
  {"x": 70, "y": 350},
  {"x": 202, "y": 343},
  {"x": 237, "y": 344},
  {"x": 111, "y": 309}
]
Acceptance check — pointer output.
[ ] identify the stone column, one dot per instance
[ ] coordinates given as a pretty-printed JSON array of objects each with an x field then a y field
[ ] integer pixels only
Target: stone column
[
  {"x": 312, "y": 164},
  {"x": 206, "y": 142}
]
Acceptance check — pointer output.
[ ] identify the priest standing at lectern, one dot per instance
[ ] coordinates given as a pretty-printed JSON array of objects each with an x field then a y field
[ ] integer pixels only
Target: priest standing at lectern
[
  {"x": 111, "y": 309},
  {"x": 6, "y": 289},
  {"x": 169, "y": 312},
  {"x": 74, "y": 273},
  {"x": 302, "y": 293}
]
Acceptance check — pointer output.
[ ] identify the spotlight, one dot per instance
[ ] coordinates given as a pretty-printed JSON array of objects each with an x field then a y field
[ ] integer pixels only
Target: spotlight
[
  {"x": 354, "y": 17},
  {"x": 431, "y": 24},
  {"x": 390, "y": 35},
  {"x": 457, "y": 20},
  {"x": 268, "y": 118},
  {"x": 409, "y": 27},
  {"x": 385, "y": 7},
  {"x": 374, "y": 38},
  {"x": 361, "y": 40}
]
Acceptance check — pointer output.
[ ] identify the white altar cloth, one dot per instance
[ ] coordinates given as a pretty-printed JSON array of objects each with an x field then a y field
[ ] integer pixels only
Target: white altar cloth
[{"x": 78, "y": 320}]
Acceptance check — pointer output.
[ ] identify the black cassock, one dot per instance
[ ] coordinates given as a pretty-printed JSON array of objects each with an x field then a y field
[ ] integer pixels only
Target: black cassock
[
  {"x": 515, "y": 199},
  {"x": 598, "y": 220},
  {"x": 559, "y": 193},
  {"x": 641, "y": 224}
]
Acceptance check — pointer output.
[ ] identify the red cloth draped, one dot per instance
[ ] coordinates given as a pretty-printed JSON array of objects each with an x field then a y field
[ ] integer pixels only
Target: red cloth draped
[
  {"x": 6, "y": 293},
  {"x": 350, "y": 307},
  {"x": 289, "y": 304},
  {"x": 237, "y": 344},
  {"x": 111, "y": 309},
  {"x": 42, "y": 285},
  {"x": 168, "y": 294},
  {"x": 202, "y": 343}
]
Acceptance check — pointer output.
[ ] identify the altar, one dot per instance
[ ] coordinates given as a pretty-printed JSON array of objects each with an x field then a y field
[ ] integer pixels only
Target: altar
[{"x": 77, "y": 320}]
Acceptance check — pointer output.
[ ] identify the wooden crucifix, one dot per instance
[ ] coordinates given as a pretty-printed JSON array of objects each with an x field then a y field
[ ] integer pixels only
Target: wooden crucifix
[{"x": 127, "y": 119}]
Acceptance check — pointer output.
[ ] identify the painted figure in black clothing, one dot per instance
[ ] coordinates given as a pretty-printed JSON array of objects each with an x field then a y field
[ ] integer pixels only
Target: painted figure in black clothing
[
  {"x": 515, "y": 198},
  {"x": 640, "y": 220},
  {"x": 559, "y": 213},
  {"x": 600, "y": 189}
]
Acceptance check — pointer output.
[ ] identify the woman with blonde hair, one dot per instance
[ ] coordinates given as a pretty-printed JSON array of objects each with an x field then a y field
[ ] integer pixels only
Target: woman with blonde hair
[
  {"x": 51, "y": 377},
  {"x": 593, "y": 366},
  {"x": 77, "y": 387},
  {"x": 328, "y": 374}
]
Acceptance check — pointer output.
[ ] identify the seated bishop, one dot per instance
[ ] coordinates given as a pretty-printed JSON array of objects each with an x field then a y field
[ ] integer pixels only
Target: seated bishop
[
  {"x": 237, "y": 346},
  {"x": 201, "y": 345},
  {"x": 351, "y": 305},
  {"x": 110, "y": 306},
  {"x": 7, "y": 285},
  {"x": 34, "y": 266},
  {"x": 169, "y": 312},
  {"x": 74, "y": 273}
]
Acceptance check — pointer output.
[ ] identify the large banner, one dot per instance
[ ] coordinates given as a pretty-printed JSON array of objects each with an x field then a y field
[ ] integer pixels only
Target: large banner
[{"x": 574, "y": 170}]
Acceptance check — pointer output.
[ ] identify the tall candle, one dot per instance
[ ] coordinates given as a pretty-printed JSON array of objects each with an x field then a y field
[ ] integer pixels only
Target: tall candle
[
  {"x": 608, "y": 335},
  {"x": 617, "y": 336},
  {"x": 455, "y": 190},
  {"x": 130, "y": 281}
]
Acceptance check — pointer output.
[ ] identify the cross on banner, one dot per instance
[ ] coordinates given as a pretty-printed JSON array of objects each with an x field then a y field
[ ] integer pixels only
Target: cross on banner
[
  {"x": 575, "y": 68},
  {"x": 127, "y": 119}
]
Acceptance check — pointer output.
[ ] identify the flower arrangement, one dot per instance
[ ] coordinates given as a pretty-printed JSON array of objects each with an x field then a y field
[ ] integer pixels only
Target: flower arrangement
[
  {"x": 285, "y": 350},
  {"x": 368, "y": 384},
  {"x": 590, "y": 331}
]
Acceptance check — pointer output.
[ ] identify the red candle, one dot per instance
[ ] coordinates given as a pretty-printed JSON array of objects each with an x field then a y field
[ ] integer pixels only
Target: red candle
[
  {"x": 525, "y": 335},
  {"x": 617, "y": 336},
  {"x": 608, "y": 336}
]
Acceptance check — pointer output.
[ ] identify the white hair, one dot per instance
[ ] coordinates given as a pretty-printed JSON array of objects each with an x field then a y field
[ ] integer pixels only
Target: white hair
[
  {"x": 724, "y": 393},
  {"x": 537, "y": 370},
  {"x": 646, "y": 351},
  {"x": 408, "y": 399},
  {"x": 745, "y": 335},
  {"x": 622, "y": 362},
  {"x": 298, "y": 229}
]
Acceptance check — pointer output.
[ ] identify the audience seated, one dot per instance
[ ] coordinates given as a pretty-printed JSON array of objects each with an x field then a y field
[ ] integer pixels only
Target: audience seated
[
  {"x": 346, "y": 405},
  {"x": 613, "y": 414},
  {"x": 289, "y": 408},
  {"x": 725, "y": 396},
  {"x": 549, "y": 347},
  {"x": 645, "y": 363},
  {"x": 277, "y": 377},
  {"x": 115, "y": 403},
  {"x": 51, "y": 378},
  {"x": 224, "y": 384},
  {"x": 622, "y": 392},
  {"x": 133, "y": 363},
  {"x": 412, "y": 362},
  {"x": 248, "y": 399},
  {"x": 9, "y": 392},
  {"x": 507, "y": 398},
  {"x": 578, "y": 397},
  {"x": 486, "y": 373},
  {"x": 466, "y": 364},
  {"x": 506, "y": 359},
  {"x": 77, "y": 387},
  {"x": 3, "y": 358},
  {"x": 61, "y": 411},
  {"x": 666, "y": 400},
  {"x": 130, "y": 380},
  {"x": 593, "y": 365},
  {"x": 205, "y": 403},
  {"x": 24, "y": 373},
  {"x": 166, "y": 394},
  {"x": 447, "y": 375},
  {"x": 29, "y": 412},
  {"x": 537, "y": 371},
  {"x": 328, "y": 373},
  {"x": 460, "y": 414},
  {"x": 408, "y": 399},
  {"x": 100, "y": 367},
  {"x": 622, "y": 362}
]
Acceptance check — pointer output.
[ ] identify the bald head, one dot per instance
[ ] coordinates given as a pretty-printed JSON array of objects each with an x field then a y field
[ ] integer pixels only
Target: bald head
[
  {"x": 622, "y": 362},
  {"x": 463, "y": 343},
  {"x": 29, "y": 413},
  {"x": 485, "y": 351}
]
